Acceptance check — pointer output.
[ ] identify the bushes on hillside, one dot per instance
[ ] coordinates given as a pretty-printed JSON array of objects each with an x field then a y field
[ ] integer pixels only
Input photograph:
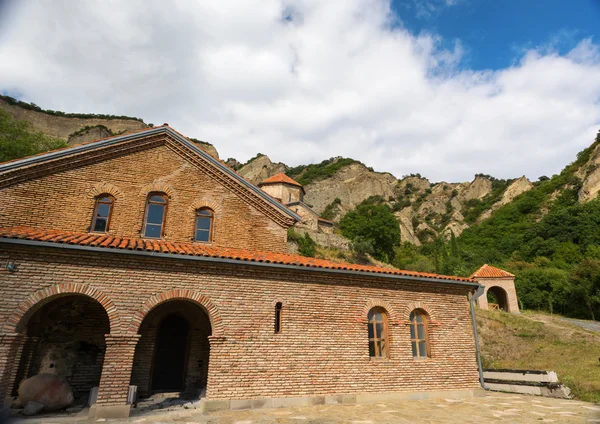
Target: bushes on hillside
[{"x": 18, "y": 139}]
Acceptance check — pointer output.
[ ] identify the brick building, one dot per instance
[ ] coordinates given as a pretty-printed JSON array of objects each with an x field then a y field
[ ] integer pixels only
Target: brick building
[{"x": 142, "y": 260}]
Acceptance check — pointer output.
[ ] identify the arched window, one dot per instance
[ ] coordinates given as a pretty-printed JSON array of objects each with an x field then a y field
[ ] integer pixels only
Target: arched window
[
  {"x": 419, "y": 336},
  {"x": 378, "y": 340},
  {"x": 278, "y": 308},
  {"x": 156, "y": 210},
  {"x": 102, "y": 213},
  {"x": 204, "y": 225}
]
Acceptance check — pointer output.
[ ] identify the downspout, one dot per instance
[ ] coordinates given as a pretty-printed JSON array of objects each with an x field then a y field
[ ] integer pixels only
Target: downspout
[{"x": 480, "y": 290}]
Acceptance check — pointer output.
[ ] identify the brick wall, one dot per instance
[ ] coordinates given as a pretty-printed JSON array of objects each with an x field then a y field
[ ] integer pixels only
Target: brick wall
[
  {"x": 65, "y": 201},
  {"x": 322, "y": 348}
]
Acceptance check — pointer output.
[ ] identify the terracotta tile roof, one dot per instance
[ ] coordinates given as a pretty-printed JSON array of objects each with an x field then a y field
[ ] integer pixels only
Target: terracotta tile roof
[
  {"x": 196, "y": 249},
  {"x": 488, "y": 271},
  {"x": 280, "y": 178}
]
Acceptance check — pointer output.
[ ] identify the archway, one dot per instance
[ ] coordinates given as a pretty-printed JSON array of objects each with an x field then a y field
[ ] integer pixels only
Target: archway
[
  {"x": 173, "y": 351},
  {"x": 497, "y": 299},
  {"x": 65, "y": 336}
]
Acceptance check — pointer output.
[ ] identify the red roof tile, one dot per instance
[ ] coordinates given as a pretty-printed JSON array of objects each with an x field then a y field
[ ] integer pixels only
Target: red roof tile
[
  {"x": 109, "y": 242},
  {"x": 280, "y": 178},
  {"x": 488, "y": 271}
]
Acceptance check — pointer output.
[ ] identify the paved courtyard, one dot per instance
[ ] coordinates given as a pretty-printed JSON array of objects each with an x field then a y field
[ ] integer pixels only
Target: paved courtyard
[{"x": 493, "y": 407}]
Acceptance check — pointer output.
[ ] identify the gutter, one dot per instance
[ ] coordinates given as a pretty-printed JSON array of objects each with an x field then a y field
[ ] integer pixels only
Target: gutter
[
  {"x": 208, "y": 259},
  {"x": 476, "y": 295}
]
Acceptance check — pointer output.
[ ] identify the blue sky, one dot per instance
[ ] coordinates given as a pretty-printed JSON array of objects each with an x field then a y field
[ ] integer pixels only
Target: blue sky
[
  {"x": 495, "y": 33},
  {"x": 444, "y": 88}
]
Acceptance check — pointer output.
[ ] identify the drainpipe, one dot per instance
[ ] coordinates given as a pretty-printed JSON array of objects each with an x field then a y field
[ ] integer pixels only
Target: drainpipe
[{"x": 480, "y": 290}]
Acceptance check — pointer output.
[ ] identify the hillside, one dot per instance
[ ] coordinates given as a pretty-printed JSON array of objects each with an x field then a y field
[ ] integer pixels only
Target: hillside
[
  {"x": 542, "y": 342},
  {"x": 75, "y": 128},
  {"x": 546, "y": 232}
]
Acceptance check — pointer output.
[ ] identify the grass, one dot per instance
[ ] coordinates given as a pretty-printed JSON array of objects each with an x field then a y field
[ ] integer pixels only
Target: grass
[{"x": 538, "y": 341}]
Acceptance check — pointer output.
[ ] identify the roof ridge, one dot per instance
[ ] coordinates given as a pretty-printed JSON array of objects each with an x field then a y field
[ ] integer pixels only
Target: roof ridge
[{"x": 490, "y": 271}]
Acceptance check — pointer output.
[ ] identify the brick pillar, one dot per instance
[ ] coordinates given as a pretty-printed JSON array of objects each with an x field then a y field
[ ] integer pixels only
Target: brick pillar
[
  {"x": 11, "y": 344},
  {"x": 216, "y": 358},
  {"x": 116, "y": 375}
]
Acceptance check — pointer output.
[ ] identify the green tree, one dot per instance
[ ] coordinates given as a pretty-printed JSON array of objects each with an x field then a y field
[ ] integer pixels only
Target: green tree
[
  {"x": 585, "y": 284},
  {"x": 17, "y": 139},
  {"x": 376, "y": 224},
  {"x": 543, "y": 288}
]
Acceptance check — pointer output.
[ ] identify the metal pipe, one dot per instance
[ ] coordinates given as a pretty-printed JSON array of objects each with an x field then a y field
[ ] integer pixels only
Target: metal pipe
[{"x": 480, "y": 290}]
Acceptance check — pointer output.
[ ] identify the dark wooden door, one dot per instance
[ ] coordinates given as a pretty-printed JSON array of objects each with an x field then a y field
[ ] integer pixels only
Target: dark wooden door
[{"x": 170, "y": 354}]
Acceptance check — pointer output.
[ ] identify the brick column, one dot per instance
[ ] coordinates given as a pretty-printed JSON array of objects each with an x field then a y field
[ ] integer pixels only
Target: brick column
[
  {"x": 116, "y": 375},
  {"x": 11, "y": 344},
  {"x": 217, "y": 358}
]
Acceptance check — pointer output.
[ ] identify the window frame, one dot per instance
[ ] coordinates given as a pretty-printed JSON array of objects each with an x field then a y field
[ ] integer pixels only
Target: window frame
[
  {"x": 98, "y": 202},
  {"x": 164, "y": 217},
  {"x": 414, "y": 324},
  {"x": 386, "y": 335},
  {"x": 211, "y": 227}
]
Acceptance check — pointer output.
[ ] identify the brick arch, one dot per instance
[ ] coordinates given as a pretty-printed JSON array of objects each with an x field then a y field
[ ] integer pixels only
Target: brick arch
[
  {"x": 204, "y": 203},
  {"x": 379, "y": 303},
  {"x": 418, "y": 305},
  {"x": 204, "y": 302},
  {"x": 158, "y": 187},
  {"x": 18, "y": 319},
  {"x": 104, "y": 188}
]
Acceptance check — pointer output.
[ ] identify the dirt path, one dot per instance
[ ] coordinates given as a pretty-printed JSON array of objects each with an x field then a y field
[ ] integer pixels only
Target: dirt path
[{"x": 588, "y": 325}]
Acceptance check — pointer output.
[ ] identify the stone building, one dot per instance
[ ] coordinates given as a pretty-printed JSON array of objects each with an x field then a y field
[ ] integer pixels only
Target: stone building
[
  {"x": 501, "y": 285},
  {"x": 291, "y": 193},
  {"x": 142, "y": 260}
]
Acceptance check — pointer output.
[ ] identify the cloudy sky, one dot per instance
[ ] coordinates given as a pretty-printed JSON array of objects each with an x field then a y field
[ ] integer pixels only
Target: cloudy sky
[{"x": 445, "y": 88}]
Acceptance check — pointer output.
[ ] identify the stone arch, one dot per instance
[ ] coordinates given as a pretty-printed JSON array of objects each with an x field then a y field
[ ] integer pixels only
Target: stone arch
[
  {"x": 501, "y": 296},
  {"x": 379, "y": 303},
  {"x": 204, "y": 302},
  {"x": 17, "y": 321},
  {"x": 104, "y": 188},
  {"x": 158, "y": 187}
]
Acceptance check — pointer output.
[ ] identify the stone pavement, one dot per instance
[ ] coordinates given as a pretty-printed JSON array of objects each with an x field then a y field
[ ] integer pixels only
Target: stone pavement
[{"x": 491, "y": 408}]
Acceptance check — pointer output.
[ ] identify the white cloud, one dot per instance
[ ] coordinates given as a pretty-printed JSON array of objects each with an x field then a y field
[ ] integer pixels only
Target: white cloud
[{"x": 304, "y": 81}]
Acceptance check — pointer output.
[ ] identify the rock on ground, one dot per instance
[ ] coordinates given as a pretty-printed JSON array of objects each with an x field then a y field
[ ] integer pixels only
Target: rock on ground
[{"x": 50, "y": 390}]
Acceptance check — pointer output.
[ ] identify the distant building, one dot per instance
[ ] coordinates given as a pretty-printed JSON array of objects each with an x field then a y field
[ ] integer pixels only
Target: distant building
[
  {"x": 291, "y": 193},
  {"x": 501, "y": 284}
]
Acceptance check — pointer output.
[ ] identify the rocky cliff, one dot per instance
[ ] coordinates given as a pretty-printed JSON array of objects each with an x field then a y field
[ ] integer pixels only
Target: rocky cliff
[{"x": 424, "y": 209}]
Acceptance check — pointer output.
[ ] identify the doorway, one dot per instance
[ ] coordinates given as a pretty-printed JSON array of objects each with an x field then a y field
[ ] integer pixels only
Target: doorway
[{"x": 170, "y": 357}]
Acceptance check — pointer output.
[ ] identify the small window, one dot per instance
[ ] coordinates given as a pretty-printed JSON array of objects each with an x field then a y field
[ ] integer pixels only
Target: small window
[
  {"x": 378, "y": 343},
  {"x": 204, "y": 225},
  {"x": 418, "y": 334},
  {"x": 102, "y": 212},
  {"x": 278, "y": 308},
  {"x": 156, "y": 208}
]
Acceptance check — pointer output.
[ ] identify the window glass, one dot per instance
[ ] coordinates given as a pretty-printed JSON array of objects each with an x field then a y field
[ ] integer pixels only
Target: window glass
[
  {"x": 204, "y": 224},
  {"x": 377, "y": 329},
  {"x": 155, "y": 216},
  {"x": 157, "y": 198},
  {"x": 101, "y": 217},
  {"x": 418, "y": 334}
]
